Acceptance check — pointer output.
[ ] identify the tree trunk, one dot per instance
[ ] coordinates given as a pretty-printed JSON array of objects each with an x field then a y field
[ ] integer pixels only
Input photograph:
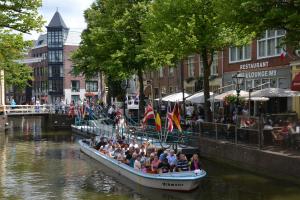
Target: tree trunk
[
  {"x": 141, "y": 95},
  {"x": 206, "y": 74}
]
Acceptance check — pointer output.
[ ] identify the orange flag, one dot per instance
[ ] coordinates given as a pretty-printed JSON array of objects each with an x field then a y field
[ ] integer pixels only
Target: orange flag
[
  {"x": 158, "y": 122},
  {"x": 176, "y": 116}
]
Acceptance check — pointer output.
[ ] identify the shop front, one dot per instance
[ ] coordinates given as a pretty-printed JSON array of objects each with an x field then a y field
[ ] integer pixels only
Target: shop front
[{"x": 259, "y": 76}]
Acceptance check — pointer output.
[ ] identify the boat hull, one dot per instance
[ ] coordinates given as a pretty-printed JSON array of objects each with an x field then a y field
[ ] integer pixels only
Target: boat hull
[{"x": 170, "y": 181}]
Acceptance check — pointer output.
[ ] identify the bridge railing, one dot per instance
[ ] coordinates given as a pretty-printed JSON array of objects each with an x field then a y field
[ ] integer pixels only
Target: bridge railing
[{"x": 25, "y": 109}]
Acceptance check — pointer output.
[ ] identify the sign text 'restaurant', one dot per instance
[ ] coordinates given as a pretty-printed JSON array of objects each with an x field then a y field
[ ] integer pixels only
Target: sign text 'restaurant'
[{"x": 254, "y": 65}]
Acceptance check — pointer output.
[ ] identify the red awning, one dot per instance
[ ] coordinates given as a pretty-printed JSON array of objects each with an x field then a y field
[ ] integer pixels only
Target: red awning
[{"x": 296, "y": 83}]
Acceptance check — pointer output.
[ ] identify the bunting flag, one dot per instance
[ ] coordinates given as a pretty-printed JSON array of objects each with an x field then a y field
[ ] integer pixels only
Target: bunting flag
[
  {"x": 283, "y": 55},
  {"x": 158, "y": 123},
  {"x": 169, "y": 120},
  {"x": 176, "y": 116},
  {"x": 149, "y": 114}
]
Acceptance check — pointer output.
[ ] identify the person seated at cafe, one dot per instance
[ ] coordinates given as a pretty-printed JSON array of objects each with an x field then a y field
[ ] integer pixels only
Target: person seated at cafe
[
  {"x": 182, "y": 163},
  {"x": 164, "y": 166},
  {"x": 195, "y": 163}
]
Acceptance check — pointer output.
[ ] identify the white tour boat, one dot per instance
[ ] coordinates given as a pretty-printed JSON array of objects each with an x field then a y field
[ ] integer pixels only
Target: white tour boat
[{"x": 179, "y": 181}]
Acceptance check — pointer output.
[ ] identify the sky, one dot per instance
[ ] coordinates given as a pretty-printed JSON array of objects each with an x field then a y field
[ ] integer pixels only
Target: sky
[{"x": 70, "y": 10}]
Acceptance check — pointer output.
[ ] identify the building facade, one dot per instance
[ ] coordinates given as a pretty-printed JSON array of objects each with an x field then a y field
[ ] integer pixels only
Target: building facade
[
  {"x": 188, "y": 74},
  {"x": 53, "y": 77}
]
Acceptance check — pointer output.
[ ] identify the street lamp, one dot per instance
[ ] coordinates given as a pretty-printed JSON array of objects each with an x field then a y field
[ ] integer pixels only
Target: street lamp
[{"x": 239, "y": 79}]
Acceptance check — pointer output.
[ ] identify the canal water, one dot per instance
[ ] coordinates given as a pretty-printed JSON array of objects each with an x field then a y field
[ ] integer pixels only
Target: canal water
[{"x": 39, "y": 164}]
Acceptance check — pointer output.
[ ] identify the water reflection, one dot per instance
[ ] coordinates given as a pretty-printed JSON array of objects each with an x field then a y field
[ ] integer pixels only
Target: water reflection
[{"x": 35, "y": 164}]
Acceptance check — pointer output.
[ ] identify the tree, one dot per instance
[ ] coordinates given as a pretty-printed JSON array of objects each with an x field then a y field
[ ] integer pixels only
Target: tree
[
  {"x": 20, "y": 16},
  {"x": 257, "y": 16},
  {"x": 178, "y": 28},
  {"x": 113, "y": 41},
  {"x": 13, "y": 48}
]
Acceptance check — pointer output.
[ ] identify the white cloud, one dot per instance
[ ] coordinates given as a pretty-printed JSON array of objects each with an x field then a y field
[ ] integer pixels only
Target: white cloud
[{"x": 70, "y": 10}]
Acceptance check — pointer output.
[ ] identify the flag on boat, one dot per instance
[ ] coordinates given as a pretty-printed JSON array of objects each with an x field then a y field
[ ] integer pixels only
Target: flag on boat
[
  {"x": 169, "y": 119},
  {"x": 158, "y": 122},
  {"x": 176, "y": 116},
  {"x": 149, "y": 114}
]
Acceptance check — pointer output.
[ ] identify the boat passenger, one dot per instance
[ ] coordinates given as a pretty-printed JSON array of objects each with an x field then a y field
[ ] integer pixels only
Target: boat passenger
[
  {"x": 144, "y": 168},
  {"x": 120, "y": 158},
  {"x": 100, "y": 143},
  {"x": 154, "y": 164},
  {"x": 137, "y": 163},
  {"x": 195, "y": 163},
  {"x": 163, "y": 155},
  {"x": 132, "y": 160},
  {"x": 164, "y": 166},
  {"x": 134, "y": 144},
  {"x": 182, "y": 163},
  {"x": 172, "y": 160}
]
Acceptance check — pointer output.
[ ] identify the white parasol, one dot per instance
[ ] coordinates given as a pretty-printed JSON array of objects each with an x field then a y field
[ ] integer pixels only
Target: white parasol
[
  {"x": 222, "y": 96},
  {"x": 198, "y": 97},
  {"x": 176, "y": 97},
  {"x": 275, "y": 92}
]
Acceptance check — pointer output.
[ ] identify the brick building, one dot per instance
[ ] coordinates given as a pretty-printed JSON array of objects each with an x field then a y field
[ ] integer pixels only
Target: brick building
[
  {"x": 53, "y": 77},
  {"x": 168, "y": 80}
]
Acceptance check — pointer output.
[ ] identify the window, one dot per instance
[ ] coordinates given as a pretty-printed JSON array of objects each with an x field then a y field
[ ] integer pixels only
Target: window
[
  {"x": 238, "y": 54},
  {"x": 283, "y": 83},
  {"x": 50, "y": 85},
  {"x": 75, "y": 86},
  {"x": 170, "y": 90},
  {"x": 55, "y": 56},
  {"x": 214, "y": 65},
  {"x": 91, "y": 86},
  {"x": 55, "y": 85},
  {"x": 75, "y": 98},
  {"x": 55, "y": 39},
  {"x": 249, "y": 84},
  {"x": 269, "y": 44},
  {"x": 56, "y": 71},
  {"x": 191, "y": 66},
  {"x": 161, "y": 72},
  {"x": 171, "y": 71}
]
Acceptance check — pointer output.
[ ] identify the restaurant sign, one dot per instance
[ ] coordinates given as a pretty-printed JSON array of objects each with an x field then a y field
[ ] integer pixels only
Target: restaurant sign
[
  {"x": 260, "y": 74},
  {"x": 256, "y": 65}
]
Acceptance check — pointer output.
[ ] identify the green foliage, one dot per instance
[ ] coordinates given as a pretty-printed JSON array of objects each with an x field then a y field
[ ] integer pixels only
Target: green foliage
[
  {"x": 257, "y": 16},
  {"x": 178, "y": 28},
  {"x": 232, "y": 99},
  {"x": 13, "y": 48},
  {"x": 21, "y": 16},
  {"x": 113, "y": 41}
]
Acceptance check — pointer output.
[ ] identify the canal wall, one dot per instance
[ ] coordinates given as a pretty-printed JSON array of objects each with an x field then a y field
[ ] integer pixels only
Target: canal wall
[
  {"x": 3, "y": 121},
  {"x": 268, "y": 163},
  {"x": 58, "y": 122}
]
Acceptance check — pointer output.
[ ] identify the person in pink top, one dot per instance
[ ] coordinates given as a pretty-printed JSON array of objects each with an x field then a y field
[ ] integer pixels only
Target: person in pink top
[
  {"x": 195, "y": 163},
  {"x": 154, "y": 164}
]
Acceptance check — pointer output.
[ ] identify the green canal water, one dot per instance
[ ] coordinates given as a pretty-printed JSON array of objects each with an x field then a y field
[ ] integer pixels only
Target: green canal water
[{"x": 39, "y": 164}]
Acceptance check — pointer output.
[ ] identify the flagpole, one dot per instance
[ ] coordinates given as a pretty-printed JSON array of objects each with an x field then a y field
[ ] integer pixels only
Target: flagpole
[{"x": 166, "y": 122}]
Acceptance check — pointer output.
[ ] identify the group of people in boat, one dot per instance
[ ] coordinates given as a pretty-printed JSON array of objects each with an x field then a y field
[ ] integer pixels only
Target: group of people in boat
[{"x": 145, "y": 157}]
